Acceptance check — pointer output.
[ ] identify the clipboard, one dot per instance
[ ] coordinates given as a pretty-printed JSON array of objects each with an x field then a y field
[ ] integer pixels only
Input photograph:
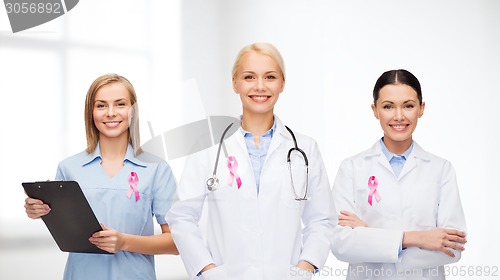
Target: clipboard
[{"x": 70, "y": 221}]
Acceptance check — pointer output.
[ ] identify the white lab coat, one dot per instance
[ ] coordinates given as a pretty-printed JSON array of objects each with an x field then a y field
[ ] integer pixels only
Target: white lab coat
[
  {"x": 425, "y": 196},
  {"x": 253, "y": 236}
]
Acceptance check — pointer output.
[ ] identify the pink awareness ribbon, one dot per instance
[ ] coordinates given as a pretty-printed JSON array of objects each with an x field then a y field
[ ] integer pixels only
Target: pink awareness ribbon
[
  {"x": 232, "y": 164},
  {"x": 373, "y": 184},
  {"x": 133, "y": 179}
]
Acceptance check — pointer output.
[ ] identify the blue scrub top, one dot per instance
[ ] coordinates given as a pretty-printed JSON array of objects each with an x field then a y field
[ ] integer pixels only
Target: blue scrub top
[{"x": 108, "y": 198}]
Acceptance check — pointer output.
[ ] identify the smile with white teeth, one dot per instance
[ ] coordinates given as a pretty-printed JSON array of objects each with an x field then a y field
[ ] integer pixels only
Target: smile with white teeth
[
  {"x": 399, "y": 126},
  {"x": 112, "y": 124},
  {"x": 259, "y": 98}
]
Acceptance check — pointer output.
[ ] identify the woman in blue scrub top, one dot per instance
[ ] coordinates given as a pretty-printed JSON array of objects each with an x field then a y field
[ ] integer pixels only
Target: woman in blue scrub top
[
  {"x": 400, "y": 209},
  {"x": 124, "y": 186}
]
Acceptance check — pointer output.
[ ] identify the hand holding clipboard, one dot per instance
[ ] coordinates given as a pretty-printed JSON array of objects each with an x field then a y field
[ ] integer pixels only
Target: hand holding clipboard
[{"x": 68, "y": 217}]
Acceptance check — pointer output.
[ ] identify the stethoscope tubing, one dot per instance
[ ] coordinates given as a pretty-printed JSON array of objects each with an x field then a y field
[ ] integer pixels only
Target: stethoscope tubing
[
  {"x": 220, "y": 146},
  {"x": 212, "y": 182}
]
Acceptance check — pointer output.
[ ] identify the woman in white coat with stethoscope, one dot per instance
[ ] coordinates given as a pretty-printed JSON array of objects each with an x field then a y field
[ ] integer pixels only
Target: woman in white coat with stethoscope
[
  {"x": 261, "y": 184},
  {"x": 400, "y": 208}
]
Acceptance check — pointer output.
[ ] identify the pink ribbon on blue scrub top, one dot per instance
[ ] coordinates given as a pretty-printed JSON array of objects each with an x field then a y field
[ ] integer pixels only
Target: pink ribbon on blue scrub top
[
  {"x": 232, "y": 164},
  {"x": 373, "y": 184},
  {"x": 133, "y": 179}
]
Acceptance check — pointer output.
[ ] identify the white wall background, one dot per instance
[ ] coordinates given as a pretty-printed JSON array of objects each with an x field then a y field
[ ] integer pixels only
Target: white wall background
[{"x": 178, "y": 55}]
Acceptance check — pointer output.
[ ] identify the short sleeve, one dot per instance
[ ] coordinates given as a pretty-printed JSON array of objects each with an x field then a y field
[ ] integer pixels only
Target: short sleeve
[{"x": 164, "y": 192}]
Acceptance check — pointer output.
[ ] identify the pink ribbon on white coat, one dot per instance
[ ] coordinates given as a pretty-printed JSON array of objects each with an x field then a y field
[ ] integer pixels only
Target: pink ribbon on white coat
[
  {"x": 133, "y": 179},
  {"x": 232, "y": 165},
  {"x": 373, "y": 184}
]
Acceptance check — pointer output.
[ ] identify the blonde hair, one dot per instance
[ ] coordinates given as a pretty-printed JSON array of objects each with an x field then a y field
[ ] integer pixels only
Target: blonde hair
[
  {"x": 91, "y": 130},
  {"x": 260, "y": 48}
]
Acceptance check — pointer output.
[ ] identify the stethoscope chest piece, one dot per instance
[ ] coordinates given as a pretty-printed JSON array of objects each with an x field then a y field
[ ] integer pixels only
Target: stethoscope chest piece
[{"x": 212, "y": 183}]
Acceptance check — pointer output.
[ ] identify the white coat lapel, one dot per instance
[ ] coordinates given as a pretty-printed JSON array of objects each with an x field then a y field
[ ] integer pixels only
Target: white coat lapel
[
  {"x": 237, "y": 138},
  {"x": 376, "y": 151},
  {"x": 279, "y": 136},
  {"x": 237, "y": 148},
  {"x": 411, "y": 162},
  {"x": 382, "y": 160}
]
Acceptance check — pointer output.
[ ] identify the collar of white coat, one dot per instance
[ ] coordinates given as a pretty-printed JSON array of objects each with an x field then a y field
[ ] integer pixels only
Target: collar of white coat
[
  {"x": 417, "y": 152},
  {"x": 280, "y": 127},
  {"x": 280, "y": 134}
]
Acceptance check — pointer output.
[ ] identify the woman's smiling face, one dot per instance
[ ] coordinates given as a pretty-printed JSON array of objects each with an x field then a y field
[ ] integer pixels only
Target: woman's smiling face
[
  {"x": 112, "y": 109},
  {"x": 259, "y": 82},
  {"x": 398, "y": 110}
]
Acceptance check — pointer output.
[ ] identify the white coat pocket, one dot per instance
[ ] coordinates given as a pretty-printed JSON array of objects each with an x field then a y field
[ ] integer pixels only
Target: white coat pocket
[
  {"x": 216, "y": 273},
  {"x": 425, "y": 205}
]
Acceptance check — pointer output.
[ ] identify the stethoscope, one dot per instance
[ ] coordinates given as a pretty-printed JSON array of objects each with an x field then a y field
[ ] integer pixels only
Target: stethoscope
[{"x": 213, "y": 182}]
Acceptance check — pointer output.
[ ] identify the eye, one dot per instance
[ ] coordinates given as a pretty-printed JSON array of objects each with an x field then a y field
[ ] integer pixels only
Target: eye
[
  {"x": 409, "y": 106},
  {"x": 248, "y": 77},
  {"x": 121, "y": 104},
  {"x": 100, "y": 105},
  {"x": 387, "y": 107},
  {"x": 270, "y": 77}
]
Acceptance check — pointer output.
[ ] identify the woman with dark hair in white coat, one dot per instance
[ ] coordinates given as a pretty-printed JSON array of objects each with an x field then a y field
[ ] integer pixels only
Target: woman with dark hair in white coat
[
  {"x": 260, "y": 226},
  {"x": 400, "y": 208}
]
